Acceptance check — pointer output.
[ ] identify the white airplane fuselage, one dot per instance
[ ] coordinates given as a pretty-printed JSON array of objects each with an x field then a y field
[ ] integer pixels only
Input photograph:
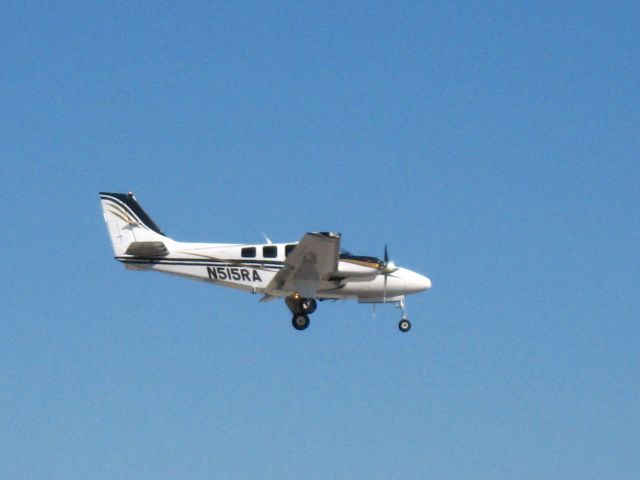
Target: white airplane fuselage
[
  {"x": 300, "y": 272},
  {"x": 223, "y": 264}
]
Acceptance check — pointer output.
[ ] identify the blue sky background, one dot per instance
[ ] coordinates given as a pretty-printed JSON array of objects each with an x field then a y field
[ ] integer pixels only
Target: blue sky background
[{"x": 493, "y": 147}]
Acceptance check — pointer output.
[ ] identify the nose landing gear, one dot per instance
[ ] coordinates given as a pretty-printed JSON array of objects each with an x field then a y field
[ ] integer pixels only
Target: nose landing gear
[{"x": 405, "y": 324}]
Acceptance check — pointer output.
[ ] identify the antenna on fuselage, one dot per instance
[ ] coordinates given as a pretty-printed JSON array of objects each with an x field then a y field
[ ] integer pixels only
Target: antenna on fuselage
[{"x": 267, "y": 238}]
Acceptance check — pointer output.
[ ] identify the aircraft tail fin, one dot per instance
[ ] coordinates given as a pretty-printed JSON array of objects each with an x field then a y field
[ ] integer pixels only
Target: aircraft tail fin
[{"x": 128, "y": 223}]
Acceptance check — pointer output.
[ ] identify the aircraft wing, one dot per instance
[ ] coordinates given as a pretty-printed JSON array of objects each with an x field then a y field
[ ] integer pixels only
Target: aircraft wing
[{"x": 313, "y": 260}]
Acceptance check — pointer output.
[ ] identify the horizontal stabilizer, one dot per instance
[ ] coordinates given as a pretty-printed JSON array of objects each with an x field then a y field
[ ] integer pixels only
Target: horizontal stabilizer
[{"x": 147, "y": 249}]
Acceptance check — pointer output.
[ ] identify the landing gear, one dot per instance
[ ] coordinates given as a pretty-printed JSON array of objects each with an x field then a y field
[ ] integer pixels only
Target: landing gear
[
  {"x": 307, "y": 305},
  {"x": 404, "y": 325},
  {"x": 300, "y": 322},
  {"x": 301, "y": 309}
]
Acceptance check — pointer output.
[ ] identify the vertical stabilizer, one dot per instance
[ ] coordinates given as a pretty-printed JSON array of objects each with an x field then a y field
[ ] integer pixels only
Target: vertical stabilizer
[{"x": 127, "y": 222}]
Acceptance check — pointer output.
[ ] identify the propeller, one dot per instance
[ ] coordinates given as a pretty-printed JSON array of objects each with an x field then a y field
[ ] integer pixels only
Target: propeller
[{"x": 387, "y": 268}]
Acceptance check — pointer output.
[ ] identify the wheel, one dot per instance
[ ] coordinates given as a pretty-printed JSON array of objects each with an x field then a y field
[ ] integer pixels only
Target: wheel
[
  {"x": 300, "y": 322},
  {"x": 308, "y": 305},
  {"x": 404, "y": 325}
]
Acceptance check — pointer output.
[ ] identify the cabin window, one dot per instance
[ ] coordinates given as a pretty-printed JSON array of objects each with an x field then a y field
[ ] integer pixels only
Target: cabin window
[
  {"x": 249, "y": 252},
  {"x": 288, "y": 249},
  {"x": 270, "y": 251}
]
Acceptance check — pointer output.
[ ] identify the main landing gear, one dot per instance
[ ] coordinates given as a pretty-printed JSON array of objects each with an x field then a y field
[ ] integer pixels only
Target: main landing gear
[
  {"x": 300, "y": 322},
  {"x": 301, "y": 309}
]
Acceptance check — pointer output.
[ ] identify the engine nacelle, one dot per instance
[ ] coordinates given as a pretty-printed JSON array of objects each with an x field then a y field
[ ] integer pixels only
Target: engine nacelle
[{"x": 350, "y": 269}]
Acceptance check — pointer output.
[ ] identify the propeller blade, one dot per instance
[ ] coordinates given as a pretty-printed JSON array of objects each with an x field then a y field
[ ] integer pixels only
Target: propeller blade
[
  {"x": 387, "y": 267},
  {"x": 385, "y": 287}
]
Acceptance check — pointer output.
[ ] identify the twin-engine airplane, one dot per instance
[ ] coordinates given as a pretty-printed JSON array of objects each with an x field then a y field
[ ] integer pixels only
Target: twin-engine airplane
[{"x": 315, "y": 268}]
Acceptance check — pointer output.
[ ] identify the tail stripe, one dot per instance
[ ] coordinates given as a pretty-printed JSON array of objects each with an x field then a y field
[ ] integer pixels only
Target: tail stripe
[
  {"x": 122, "y": 214},
  {"x": 129, "y": 207}
]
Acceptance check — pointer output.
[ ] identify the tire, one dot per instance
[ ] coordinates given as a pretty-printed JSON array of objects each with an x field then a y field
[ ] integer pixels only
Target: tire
[
  {"x": 308, "y": 306},
  {"x": 300, "y": 322},
  {"x": 404, "y": 325}
]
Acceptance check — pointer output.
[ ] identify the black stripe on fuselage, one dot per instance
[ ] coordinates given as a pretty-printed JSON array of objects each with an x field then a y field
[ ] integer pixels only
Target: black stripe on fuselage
[
  {"x": 206, "y": 261},
  {"x": 199, "y": 263}
]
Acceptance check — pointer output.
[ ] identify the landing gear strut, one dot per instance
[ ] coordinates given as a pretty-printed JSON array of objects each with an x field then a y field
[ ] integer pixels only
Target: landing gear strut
[{"x": 301, "y": 309}]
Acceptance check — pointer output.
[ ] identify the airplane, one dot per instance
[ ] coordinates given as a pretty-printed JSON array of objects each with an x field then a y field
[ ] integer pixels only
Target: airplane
[{"x": 304, "y": 272}]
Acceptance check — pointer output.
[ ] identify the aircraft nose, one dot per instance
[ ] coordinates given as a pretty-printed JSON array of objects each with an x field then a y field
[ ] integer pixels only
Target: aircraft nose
[
  {"x": 418, "y": 283},
  {"x": 425, "y": 283}
]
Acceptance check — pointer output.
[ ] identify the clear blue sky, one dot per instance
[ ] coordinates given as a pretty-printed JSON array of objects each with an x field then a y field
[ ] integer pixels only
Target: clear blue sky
[{"x": 493, "y": 147}]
